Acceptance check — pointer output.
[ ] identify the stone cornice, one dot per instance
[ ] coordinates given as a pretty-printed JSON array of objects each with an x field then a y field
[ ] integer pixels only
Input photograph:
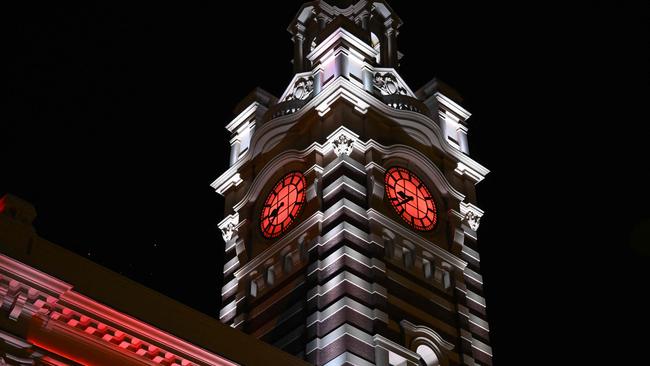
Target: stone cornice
[
  {"x": 242, "y": 117},
  {"x": 342, "y": 36},
  {"x": 421, "y": 127}
]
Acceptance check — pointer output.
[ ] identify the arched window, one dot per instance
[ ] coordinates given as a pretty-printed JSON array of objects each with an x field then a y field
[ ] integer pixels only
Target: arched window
[
  {"x": 428, "y": 344},
  {"x": 389, "y": 246},
  {"x": 427, "y": 356},
  {"x": 375, "y": 40}
]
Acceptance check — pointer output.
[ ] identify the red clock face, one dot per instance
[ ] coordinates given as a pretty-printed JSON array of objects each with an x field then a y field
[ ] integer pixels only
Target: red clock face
[
  {"x": 411, "y": 199},
  {"x": 283, "y": 205}
]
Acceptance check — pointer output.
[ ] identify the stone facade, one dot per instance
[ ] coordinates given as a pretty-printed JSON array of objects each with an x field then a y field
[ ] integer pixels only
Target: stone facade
[{"x": 350, "y": 282}]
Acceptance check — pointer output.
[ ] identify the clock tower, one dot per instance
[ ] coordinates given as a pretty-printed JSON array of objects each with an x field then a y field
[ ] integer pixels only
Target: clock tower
[{"x": 351, "y": 219}]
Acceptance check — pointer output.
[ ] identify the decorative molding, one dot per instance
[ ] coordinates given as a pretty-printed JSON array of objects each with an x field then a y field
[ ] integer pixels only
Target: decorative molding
[
  {"x": 228, "y": 226},
  {"x": 340, "y": 332},
  {"x": 401, "y": 83},
  {"x": 344, "y": 183},
  {"x": 471, "y": 215},
  {"x": 343, "y": 161},
  {"x": 341, "y": 255},
  {"x": 397, "y": 354},
  {"x": 342, "y": 92},
  {"x": 421, "y": 127},
  {"x": 222, "y": 185},
  {"x": 323, "y": 49},
  {"x": 343, "y": 145},
  {"x": 462, "y": 169},
  {"x": 419, "y": 335},
  {"x": 243, "y": 118},
  {"x": 342, "y": 141},
  {"x": 346, "y": 303},
  {"x": 472, "y": 220},
  {"x": 347, "y": 358},
  {"x": 302, "y": 88},
  {"x": 387, "y": 84},
  {"x": 349, "y": 278},
  {"x": 290, "y": 88},
  {"x": 451, "y": 106}
]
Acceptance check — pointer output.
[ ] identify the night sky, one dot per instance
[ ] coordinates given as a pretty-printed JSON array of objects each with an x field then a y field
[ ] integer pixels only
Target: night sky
[{"x": 113, "y": 127}]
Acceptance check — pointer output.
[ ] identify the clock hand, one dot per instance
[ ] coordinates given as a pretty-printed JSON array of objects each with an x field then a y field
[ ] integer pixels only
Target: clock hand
[
  {"x": 274, "y": 213},
  {"x": 406, "y": 200},
  {"x": 403, "y": 195}
]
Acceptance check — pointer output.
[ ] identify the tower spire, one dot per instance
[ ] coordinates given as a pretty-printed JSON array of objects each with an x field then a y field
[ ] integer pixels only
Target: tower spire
[{"x": 375, "y": 21}]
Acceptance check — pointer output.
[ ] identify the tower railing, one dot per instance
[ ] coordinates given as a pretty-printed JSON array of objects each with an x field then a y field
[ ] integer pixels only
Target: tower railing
[
  {"x": 405, "y": 102},
  {"x": 396, "y": 101},
  {"x": 285, "y": 108}
]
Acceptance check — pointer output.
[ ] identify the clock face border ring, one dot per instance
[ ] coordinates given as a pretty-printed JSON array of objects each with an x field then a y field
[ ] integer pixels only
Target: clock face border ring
[
  {"x": 410, "y": 198},
  {"x": 283, "y": 205}
]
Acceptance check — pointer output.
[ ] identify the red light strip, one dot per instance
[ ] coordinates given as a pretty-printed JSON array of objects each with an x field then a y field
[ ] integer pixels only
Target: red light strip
[
  {"x": 56, "y": 352},
  {"x": 92, "y": 317}
]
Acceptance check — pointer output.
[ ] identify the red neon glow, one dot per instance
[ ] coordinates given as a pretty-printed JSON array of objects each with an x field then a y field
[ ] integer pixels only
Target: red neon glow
[
  {"x": 57, "y": 352},
  {"x": 79, "y": 324},
  {"x": 283, "y": 205},
  {"x": 410, "y": 198},
  {"x": 2, "y": 203}
]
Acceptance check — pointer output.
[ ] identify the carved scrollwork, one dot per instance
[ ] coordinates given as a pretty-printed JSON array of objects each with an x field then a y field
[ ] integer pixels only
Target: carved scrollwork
[
  {"x": 343, "y": 145},
  {"x": 302, "y": 89},
  {"x": 473, "y": 220},
  {"x": 471, "y": 215},
  {"x": 387, "y": 84},
  {"x": 228, "y": 231}
]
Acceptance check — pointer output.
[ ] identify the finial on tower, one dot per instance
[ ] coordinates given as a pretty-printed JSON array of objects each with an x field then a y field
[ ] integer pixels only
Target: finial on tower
[{"x": 374, "y": 20}]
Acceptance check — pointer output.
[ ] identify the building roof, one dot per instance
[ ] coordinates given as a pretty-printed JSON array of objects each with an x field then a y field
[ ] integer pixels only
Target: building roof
[{"x": 19, "y": 241}]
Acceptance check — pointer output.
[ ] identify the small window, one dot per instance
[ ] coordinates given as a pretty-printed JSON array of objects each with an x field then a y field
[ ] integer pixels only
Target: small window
[
  {"x": 446, "y": 280},
  {"x": 427, "y": 268},
  {"x": 253, "y": 290},
  {"x": 270, "y": 276},
  {"x": 303, "y": 247},
  {"x": 388, "y": 247},
  {"x": 288, "y": 263},
  {"x": 408, "y": 258},
  {"x": 374, "y": 40}
]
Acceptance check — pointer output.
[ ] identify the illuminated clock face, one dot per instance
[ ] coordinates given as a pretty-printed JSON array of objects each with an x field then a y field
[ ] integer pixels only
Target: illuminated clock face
[
  {"x": 411, "y": 199},
  {"x": 283, "y": 205}
]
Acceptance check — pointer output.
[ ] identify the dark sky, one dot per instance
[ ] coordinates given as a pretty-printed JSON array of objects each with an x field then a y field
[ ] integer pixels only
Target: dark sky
[{"x": 114, "y": 128}]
